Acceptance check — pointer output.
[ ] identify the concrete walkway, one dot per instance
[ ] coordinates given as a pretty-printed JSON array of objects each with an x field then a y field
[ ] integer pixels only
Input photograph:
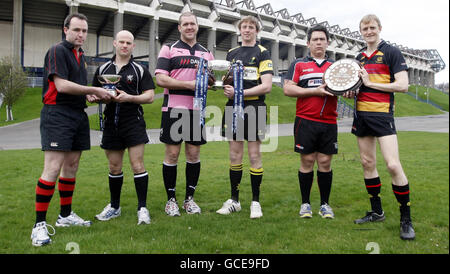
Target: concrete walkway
[{"x": 26, "y": 135}]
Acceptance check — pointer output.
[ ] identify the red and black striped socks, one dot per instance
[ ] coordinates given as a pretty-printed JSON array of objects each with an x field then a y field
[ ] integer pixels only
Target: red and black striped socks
[
  {"x": 66, "y": 186},
  {"x": 44, "y": 194}
]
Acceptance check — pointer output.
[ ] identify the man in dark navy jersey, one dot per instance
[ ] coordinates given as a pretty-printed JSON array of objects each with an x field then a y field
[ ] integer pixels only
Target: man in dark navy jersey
[
  {"x": 384, "y": 72},
  {"x": 64, "y": 125}
]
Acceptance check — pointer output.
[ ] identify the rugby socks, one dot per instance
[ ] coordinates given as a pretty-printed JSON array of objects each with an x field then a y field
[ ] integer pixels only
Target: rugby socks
[
  {"x": 305, "y": 181},
  {"x": 170, "y": 179},
  {"x": 235, "y": 180},
  {"x": 115, "y": 188},
  {"x": 402, "y": 195},
  {"x": 324, "y": 180},
  {"x": 44, "y": 193},
  {"x": 373, "y": 187},
  {"x": 256, "y": 175},
  {"x": 66, "y": 186},
  {"x": 141, "y": 185},
  {"x": 192, "y": 175}
]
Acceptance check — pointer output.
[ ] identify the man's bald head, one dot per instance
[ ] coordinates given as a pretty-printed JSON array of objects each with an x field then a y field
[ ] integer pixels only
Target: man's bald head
[
  {"x": 124, "y": 44},
  {"x": 124, "y": 33}
]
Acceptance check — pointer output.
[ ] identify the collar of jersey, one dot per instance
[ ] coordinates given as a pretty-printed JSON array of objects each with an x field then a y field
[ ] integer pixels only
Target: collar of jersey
[{"x": 69, "y": 45}]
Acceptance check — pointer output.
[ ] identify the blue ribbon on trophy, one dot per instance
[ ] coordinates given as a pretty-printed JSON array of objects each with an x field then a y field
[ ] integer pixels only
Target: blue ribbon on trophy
[
  {"x": 109, "y": 82},
  {"x": 201, "y": 89},
  {"x": 238, "y": 103}
]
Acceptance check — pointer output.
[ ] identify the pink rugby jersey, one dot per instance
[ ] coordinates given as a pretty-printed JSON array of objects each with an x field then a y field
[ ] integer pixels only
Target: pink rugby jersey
[{"x": 178, "y": 60}]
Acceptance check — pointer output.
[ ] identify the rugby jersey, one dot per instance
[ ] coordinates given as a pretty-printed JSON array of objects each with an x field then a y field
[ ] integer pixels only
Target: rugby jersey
[
  {"x": 381, "y": 67},
  {"x": 135, "y": 80},
  {"x": 63, "y": 61},
  {"x": 178, "y": 60},
  {"x": 256, "y": 61},
  {"x": 307, "y": 73}
]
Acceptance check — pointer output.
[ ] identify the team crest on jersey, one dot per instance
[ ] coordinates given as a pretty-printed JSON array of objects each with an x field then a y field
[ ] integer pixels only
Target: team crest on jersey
[
  {"x": 129, "y": 78},
  {"x": 379, "y": 60}
]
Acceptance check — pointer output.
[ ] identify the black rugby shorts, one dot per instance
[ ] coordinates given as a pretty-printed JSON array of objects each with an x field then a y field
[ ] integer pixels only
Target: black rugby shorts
[
  {"x": 253, "y": 127},
  {"x": 131, "y": 131},
  {"x": 64, "y": 129},
  {"x": 311, "y": 136},
  {"x": 182, "y": 125},
  {"x": 377, "y": 126}
]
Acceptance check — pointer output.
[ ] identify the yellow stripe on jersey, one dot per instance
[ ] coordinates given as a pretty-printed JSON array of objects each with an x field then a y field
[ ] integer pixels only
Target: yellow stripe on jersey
[
  {"x": 249, "y": 98},
  {"x": 372, "y": 106},
  {"x": 265, "y": 65},
  {"x": 262, "y": 48},
  {"x": 234, "y": 48},
  {"x": 380, "y": 78}
]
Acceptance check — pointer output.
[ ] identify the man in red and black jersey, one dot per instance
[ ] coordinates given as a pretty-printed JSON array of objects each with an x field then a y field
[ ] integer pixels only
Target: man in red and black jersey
[
  {"x": 384, "y": 72},
  {"x": 315, "y": 128},
  {"x": 64, "y": 125}
]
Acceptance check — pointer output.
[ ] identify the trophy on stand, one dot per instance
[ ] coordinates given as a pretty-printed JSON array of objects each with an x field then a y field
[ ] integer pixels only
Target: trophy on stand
[
  {"x": 221, "y": 70},
  {"x": 109, "y": 82}
]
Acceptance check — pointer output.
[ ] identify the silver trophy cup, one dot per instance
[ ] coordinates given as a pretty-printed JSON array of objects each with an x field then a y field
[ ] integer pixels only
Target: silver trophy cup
[
  {"x": 109, "y": 82},
  {"x": 220, "y": 68}
]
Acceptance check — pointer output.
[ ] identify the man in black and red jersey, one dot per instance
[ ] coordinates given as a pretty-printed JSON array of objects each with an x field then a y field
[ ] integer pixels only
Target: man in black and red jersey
[
  {"x": 64, "y": 125},
  {"x": 384, "y": 72},
  {"x": 315, "y": 128},
  {"x": 257, "y": 83}
]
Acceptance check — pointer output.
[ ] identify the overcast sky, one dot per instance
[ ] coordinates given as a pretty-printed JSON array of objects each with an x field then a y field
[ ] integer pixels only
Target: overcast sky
[{"x": 417, "y": 24}]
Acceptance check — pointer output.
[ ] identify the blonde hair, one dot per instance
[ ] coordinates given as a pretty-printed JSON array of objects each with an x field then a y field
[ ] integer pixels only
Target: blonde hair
[
  {"x": 369, "y": 18},
  {"x": 250, "y": 19}
]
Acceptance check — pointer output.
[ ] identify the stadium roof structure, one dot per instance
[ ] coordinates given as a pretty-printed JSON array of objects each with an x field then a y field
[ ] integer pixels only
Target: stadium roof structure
[{"x": 219, "y": 14}]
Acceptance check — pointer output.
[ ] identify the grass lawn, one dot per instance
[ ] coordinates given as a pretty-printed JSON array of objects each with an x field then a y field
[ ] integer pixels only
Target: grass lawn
[
  {"x": 29, "y": 107},
  {"x": 279, "y": 231},
  {"x": 435, "y": 96}
]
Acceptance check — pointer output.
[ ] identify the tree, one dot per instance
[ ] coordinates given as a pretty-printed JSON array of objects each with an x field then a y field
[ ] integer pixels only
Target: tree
[{"x": 13, "y": 83}]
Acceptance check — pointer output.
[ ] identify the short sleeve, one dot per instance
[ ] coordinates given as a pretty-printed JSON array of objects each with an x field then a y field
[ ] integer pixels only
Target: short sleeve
[
  {"x": 396, "y": 61},
  {"x": 57, "y": 63},
  {"x": 292, "y": 73},
  {"x": 265, "y": 63},
  {"x": 163, "y": 63},
  {"x": 147, "y": 81}
]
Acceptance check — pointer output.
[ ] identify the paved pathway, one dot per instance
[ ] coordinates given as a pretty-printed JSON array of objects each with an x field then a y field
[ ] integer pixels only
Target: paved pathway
[{"x": 26, "y": 135}]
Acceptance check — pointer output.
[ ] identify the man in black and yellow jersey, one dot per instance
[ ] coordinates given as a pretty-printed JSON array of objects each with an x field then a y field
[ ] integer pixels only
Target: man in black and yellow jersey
[
  {"x": 384, "y": 72},
  {"x": 257, "y": 82}
]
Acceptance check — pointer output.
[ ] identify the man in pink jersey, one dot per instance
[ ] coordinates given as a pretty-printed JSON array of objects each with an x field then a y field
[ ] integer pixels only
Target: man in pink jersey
[{"x": 176, "y": 72}]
